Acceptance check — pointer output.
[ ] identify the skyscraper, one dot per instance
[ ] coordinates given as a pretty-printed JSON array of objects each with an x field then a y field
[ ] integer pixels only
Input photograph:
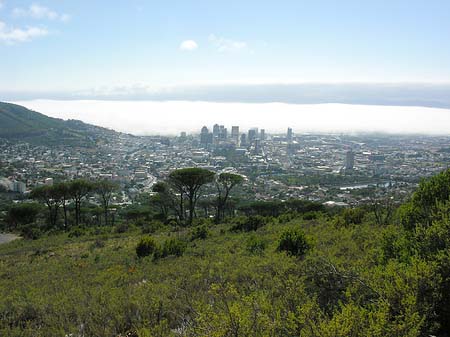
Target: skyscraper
[
  {"x": 204, "y": 136},
  {"x": 349, "y": 160},
  {"x": 252, "y": 135},
  {"x": 223, "y": 133},
  {"x": 243, "y": 140},
  {"x": 289, "y": 135},
  {"x": 262, "y": 135},
  {"x": 216, "y": 130}
]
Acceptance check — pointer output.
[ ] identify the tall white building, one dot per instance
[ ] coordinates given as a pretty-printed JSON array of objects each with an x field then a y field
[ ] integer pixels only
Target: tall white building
[
  {"x": 349, "y": 160},
  {"x": 18, "y": 186}
]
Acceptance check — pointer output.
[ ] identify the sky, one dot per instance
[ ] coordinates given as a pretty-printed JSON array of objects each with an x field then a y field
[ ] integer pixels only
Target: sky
[
  {"x": 91, "y": 48},
  {"x": 145, "y": 66}
]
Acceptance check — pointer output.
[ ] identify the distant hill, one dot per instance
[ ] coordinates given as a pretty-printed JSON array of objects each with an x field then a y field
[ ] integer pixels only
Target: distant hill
[{"x": 18, "y": 123}]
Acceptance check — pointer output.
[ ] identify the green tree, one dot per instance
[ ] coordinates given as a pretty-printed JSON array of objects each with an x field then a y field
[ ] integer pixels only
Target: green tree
[
  {"x": 63, "y": 191},
  {"x": 51, "y": 197},
  {"x": 105, "y": 189},
  {"x": 225, "y": 182},
  {"x": 164, "y": 199},
  {"x": 187, "y": 182},
  {"x": 79, "y": 189},
  {"x": 22, "y": 214}
]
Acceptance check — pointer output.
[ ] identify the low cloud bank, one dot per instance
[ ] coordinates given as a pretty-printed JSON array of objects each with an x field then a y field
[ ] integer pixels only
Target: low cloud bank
[{"x": 172, "y": 117}]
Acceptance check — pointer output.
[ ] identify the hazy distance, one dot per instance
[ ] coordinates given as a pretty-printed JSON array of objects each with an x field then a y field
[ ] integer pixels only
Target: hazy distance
[{"x": 172, "y": 117}]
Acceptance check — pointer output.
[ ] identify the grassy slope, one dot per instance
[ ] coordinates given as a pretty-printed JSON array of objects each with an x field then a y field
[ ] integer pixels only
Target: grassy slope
[{"x": 57, "y": 283}]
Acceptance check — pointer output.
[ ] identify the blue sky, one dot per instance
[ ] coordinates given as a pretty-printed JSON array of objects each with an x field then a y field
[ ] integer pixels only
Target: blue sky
[{"x": 100, "y": 46}]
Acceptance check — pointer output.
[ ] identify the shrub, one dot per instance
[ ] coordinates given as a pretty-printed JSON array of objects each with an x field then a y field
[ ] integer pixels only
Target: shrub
[
  {"x": 286, "y": 217},
  {"x": 152, "y": 227},
  {"x": 76, "y": 232},
  {"x": 122, "y": 228},
  {"x": 147, "y": 246},
  {"x": 200, "y": 232},
  {"x": 255, "y": 245},
  {"x": 252, "y": 223},
  {"x": 310, "y": 216},
  {"x": 31, "y": 232},
  {"x": 97, "y": 244},
  {"x": 175, "y": 247},
  {"x": 293, "y": 241},
  {"x": 349, "y": 216}
]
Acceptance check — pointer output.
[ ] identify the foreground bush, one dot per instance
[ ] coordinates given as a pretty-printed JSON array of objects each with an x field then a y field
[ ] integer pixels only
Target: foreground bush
[
  {"x": 293, "y": 241},
  {"x": 174, "y": 247},
  {"x": 247, "y": 224},
  {"x": 147, "y": 246},
  {"x": 199, "y": 232}
]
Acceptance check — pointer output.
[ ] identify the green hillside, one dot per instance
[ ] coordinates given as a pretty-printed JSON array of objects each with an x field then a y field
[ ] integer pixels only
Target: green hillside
[
  {"x": 289, "y": 276},
  {"x": 18, "y": 123}
]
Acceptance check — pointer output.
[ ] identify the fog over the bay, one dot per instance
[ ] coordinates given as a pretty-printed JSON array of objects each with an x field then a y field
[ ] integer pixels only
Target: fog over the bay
[{"x": 172, "y": 117}]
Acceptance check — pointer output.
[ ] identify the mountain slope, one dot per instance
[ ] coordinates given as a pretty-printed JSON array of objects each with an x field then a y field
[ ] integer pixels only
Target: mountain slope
[{"x": 18, "y": 123}]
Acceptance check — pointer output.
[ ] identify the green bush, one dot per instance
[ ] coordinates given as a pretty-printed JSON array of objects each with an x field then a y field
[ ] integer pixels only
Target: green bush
[
  {"x": 247, "y": 224},
  {"x": 152, "y": 227},
  {"x": 310, "y": 215},
  {"x": 76, "y": 232},
  {"x": 293, "y": 241},
  {"x": 200, "y": 232},
  {"x": 349, "y": 216},
  {"x": 255, "y": 245},
  {"x": 122, "y": 228},
  {"x": 147, "y": 246},
  {"x": 173, "y": 247},
  {"x": 31, "y": 232}
]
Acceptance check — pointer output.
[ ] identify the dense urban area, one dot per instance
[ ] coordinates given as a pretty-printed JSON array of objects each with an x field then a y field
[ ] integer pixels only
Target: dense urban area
[{"x": 333, "y": 169}]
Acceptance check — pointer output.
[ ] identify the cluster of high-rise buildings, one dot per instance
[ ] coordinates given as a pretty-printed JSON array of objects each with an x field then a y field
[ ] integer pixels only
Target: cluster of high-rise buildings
[{"x": 253, "y": 137}]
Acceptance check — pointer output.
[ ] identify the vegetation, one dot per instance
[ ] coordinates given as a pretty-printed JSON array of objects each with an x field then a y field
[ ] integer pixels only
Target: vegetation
[
  {"x": 187, "y": 182},
  {"x": 19, "y": 123},
  {"x": 147, "y": 246},
  {"x": 293, "y": 242},
  {"x": 295, "y": 269}
]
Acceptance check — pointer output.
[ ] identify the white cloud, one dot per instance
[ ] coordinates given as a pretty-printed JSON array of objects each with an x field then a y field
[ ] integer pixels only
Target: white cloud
[
  {"x": 226, "y": 45},
  {"x": 169, "y": 117},
  {"x": 40, "y": 12},
  {"x": 11, "y": 35},
  {"x": 188, "y": 45}
]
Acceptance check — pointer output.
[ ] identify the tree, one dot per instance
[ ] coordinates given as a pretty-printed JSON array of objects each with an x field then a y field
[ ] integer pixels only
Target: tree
[
  {"x": 188, "y": 182},
  {"x": 164, "y": 199},
  {"x": 224, "y": 184},
  {"x": 105, "y": 189},
  {"x": 62, "y": 189},
  {"x": 78, "y": 190},
  {"x": 51, "y": 197},
  {"x": 23, "y": 214},
  {"x": 383, "y": 210}
]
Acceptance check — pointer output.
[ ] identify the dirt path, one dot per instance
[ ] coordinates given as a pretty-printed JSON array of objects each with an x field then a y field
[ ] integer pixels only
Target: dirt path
[{"x": 5, "y": 238}]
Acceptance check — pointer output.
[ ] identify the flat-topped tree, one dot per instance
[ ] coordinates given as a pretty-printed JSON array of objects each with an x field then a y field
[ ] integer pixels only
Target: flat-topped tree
[
  {"x": 63, "y": 192},
  {"x": 187, "y": 182},
  {"x": 225, "y": 182},
  {"x": 164, "y": 198},
  {"x": 79, "y": 189},
  {"x": 105, "y": 189},
  {"x": 52, "y": 198}
]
